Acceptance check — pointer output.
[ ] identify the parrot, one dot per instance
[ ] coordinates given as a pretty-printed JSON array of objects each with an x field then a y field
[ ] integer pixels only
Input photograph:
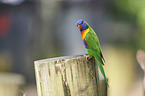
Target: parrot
[{"x": 92, "y": 45}]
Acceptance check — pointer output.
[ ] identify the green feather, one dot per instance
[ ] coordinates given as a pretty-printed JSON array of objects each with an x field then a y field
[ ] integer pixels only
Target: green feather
[
  {"x": 97, "y": 55},
  {"x": 102, "y": 71},
  {"x": 95, "y": 50},
  {"x": 100, "y": 66}
]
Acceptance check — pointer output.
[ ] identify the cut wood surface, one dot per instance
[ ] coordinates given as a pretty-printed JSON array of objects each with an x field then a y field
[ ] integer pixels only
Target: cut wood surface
[{"x": 67, "y": 76}]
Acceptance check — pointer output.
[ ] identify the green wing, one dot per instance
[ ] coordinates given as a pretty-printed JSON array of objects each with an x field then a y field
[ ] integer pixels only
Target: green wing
[
  {"x": 103, "y": 73},
  {"x": 94, "y": 46}
]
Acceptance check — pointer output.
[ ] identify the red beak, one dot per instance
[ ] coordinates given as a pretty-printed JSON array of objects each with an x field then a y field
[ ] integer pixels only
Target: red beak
[{"x": 79, "y": 26}]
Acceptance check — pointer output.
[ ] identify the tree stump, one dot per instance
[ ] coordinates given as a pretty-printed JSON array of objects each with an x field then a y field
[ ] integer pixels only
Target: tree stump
[{"x": 67, "y": 76}]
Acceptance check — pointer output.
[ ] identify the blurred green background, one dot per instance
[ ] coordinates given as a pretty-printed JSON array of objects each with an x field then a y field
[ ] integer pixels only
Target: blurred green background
[{"x": 38, "y": 29}]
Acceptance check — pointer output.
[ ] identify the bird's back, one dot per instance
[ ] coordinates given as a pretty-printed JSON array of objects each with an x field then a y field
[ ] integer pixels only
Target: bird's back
[{"x": 92, "y": 40}]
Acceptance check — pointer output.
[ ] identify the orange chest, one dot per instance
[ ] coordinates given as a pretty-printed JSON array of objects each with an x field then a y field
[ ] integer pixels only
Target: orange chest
[{"x": 84, "y": 33}]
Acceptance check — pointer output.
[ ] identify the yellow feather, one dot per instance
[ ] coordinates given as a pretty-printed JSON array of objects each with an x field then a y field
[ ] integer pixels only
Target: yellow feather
[{"x": 84, "y": 34}]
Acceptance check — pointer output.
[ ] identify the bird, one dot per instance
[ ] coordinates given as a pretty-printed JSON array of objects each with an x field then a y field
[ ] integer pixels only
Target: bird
[{"x": 92, "y": 45}]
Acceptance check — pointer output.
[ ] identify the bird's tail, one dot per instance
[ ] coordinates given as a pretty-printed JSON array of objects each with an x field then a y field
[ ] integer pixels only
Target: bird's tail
[{"x": 102, "y": 71}]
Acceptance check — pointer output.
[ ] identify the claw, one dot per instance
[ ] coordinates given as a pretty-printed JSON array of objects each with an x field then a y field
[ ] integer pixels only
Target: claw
[{"x": 87, "y": 57}]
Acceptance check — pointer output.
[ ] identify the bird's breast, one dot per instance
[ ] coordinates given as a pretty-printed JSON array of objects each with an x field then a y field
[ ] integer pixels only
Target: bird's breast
[{"x": 84, "y": 33}]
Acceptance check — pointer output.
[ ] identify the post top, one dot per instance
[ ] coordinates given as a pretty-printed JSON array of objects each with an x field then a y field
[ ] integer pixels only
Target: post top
[{"x": 61, "y": 58}]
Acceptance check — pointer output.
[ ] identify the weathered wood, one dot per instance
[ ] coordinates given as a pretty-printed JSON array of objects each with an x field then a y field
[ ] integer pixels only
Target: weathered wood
[
  {"x": 103, "y": 86},
  {"x": 67, "y": 76}
]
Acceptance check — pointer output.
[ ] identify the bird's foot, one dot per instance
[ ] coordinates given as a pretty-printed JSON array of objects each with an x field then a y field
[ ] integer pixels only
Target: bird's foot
[{"x": 87, "y": 57}]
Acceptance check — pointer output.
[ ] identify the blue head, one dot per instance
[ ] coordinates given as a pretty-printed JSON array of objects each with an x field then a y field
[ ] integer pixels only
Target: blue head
[{"x": 81, "y": 25}]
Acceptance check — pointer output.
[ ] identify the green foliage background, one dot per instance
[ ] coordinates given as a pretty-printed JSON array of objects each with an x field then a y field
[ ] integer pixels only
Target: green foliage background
[{"x": 135, "y": 11}]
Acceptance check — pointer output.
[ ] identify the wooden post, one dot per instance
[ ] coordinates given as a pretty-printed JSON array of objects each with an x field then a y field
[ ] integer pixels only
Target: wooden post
[
  {"x": 103, "y": 86},
  {"x": 67, "y": 76}
]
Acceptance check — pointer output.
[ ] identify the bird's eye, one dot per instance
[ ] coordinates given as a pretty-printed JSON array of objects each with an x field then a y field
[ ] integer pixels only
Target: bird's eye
[{"x": 81, "y": 23}]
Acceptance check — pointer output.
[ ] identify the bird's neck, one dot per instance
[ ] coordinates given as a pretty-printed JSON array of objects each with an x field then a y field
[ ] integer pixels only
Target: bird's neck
[{"x": 84, "y": 33}]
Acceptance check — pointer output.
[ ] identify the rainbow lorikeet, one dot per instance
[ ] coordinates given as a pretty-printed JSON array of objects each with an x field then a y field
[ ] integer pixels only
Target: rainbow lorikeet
[{"x": 92, "y": 45}]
